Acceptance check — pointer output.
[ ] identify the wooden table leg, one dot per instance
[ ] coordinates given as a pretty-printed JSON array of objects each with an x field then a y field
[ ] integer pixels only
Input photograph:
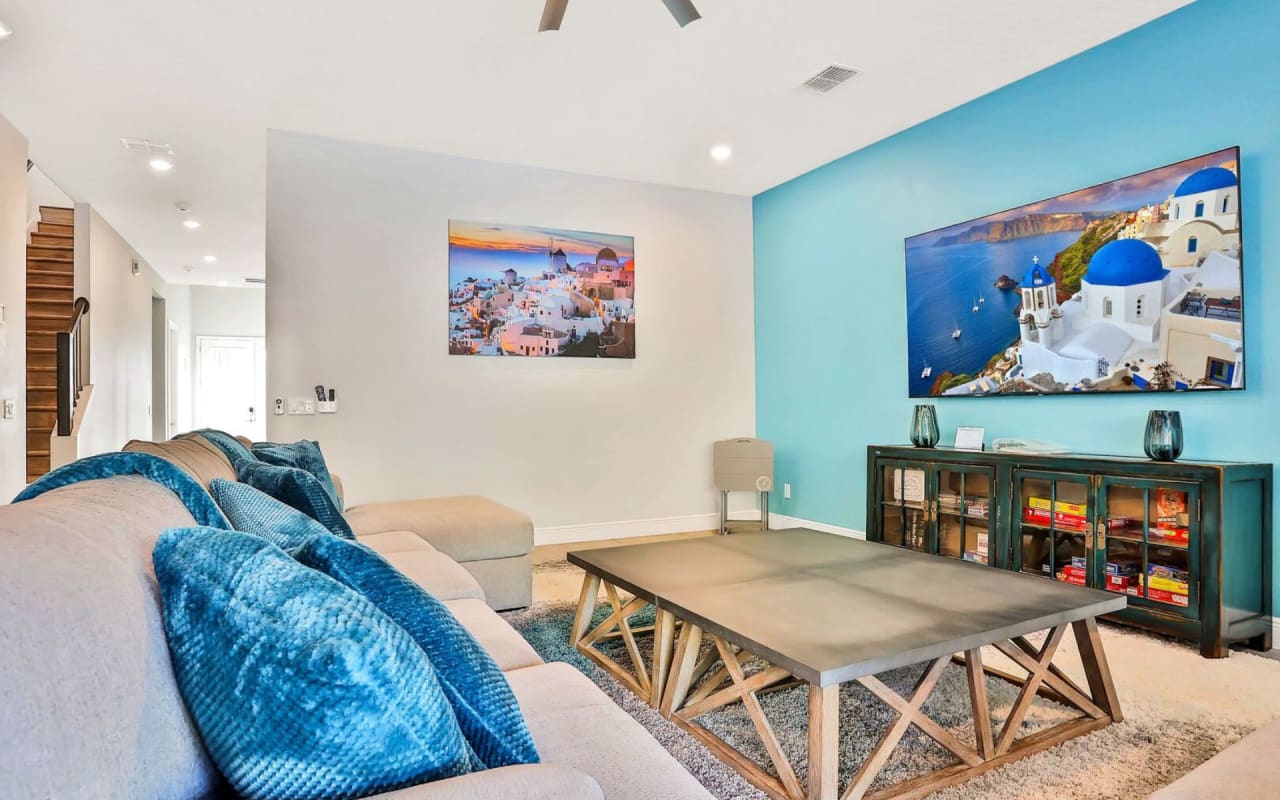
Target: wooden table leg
[
  {"x": 981, "y": 705},
  {"x": 586, "y": 608},
  {"x": 664, "y": 638},
  {"x": 1096, "y": 668},
  {"x": 682, "y": 668},
  {"x": 824, "y": 742}
]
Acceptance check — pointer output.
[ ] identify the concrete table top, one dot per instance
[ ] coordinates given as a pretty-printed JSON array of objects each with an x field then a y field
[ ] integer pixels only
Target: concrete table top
[{"x": 831, "y": 609}]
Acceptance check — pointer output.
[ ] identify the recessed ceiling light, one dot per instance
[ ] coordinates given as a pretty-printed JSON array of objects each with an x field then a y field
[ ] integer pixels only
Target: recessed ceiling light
[
  {"x": 210, "y": 259},
  {"x": 5, "y": 30},
  {"x": 721, "y": 153},
  {"x": 160, "y": 164},
  {"x": 191, "y": 224}
]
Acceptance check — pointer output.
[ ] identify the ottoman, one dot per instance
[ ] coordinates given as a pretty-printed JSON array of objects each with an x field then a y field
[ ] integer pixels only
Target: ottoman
[{"x": 491, "y": 541}]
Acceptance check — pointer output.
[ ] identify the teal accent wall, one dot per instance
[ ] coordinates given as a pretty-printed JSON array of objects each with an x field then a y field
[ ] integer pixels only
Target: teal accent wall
[{"x": 830, "y": 288}]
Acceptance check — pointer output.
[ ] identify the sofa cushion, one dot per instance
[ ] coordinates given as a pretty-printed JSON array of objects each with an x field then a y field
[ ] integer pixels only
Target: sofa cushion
[
  {"x": 297, "y": 488},
  {"x": 577, "y": 725},
  {"x": 520, "y": 782},
  {"x": 396, "y": 542},
  {"x": 233, "y": 447},
  {"x": 301, "y": 687},
  {"x": 437, "y": 573},
  {"x": 154, "y": 468},
  {"x": 468, "y": 528},
  {"x": 486, "y": 709},
  {"x": 252, "y": 511},
  {"x": 509, "y": 649},
  {"x": 195, "y": 455},
  {"x": 89, "y": 707},
  {"x": 303, "y": 454}
]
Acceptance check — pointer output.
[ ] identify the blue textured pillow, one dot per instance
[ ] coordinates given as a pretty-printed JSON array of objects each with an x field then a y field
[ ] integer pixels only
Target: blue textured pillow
[
  {"x": 301, "y": 688},
  {"x": 109, "y": 465},
  {"x": 482, "y": 699},
  {"x": 252, "y": 511},
  {"x": 298, "y": 489},
  {"x": 231, "y": 447},
  {"x": 304, "y": 455}
]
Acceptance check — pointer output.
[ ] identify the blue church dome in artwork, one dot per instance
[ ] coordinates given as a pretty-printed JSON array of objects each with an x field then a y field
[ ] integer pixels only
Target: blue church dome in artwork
[
  {"x": 1125, "y": 262},
  {"x": 1037, "y": 275},
  {"x": 1206, "y": 180}
]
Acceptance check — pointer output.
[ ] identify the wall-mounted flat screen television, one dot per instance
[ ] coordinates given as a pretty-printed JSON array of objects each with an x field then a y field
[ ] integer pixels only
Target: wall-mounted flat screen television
[{"x": 1132, "y": 285}]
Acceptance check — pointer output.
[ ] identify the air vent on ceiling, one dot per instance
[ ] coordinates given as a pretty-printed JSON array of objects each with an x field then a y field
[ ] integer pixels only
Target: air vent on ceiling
[
  {"x": 147, "y": 146},
  {"x": 256, "y": 281},
  {"x": 830, "y": 78}
]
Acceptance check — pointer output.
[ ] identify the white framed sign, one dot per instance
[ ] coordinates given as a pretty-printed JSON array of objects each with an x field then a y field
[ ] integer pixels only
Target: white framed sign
[{"x": 969, "y": 438}]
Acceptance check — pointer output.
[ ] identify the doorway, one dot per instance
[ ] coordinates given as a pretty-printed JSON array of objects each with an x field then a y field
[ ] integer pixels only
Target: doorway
[{"x": 231, "y": 385}]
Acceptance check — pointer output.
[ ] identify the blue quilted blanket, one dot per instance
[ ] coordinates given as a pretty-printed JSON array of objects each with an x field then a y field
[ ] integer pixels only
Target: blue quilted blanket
[{"x": 109, "y": 465}]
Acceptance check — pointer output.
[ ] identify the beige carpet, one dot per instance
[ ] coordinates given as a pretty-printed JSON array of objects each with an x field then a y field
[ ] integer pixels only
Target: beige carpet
[{"x": 1180, "y": 709}]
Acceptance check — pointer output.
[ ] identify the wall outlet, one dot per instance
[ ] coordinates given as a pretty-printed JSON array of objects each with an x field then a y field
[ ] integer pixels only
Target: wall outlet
[
  {"x": 786, "y": 491},
  {"x": 10, "y": 408},
  {"x": 301, "y": 406}
]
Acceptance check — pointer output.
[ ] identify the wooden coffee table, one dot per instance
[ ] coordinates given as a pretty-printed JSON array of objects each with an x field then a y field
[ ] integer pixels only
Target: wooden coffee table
[{"x": 824, "y": 610}]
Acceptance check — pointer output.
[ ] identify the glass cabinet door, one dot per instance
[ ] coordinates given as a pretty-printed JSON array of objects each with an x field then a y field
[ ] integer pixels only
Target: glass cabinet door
[
  {"x": 1054, "y": 526},
  {"x": 965, "y": 508},
  {"x": 904, "y": 518},
  {"x": 1149, "y": 535}
]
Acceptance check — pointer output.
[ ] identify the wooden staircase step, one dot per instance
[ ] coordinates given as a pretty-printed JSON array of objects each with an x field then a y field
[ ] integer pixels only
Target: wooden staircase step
[
  {"x": 54, "y": 228},
  {"x": 42, "y": 418},
  {"x": 57, "y": 294},
  {"x": 58, "y": 253},
  {"x": 49, "y": 304},
  {"x": 42, "y": 360},
  {"x": 58, "y": 240},
  {"x": 49, "y": 277},
  {"x": 58, "y": 286},
  {"x": 57, "y": 257},
  {"x": 57, "y": 216}
]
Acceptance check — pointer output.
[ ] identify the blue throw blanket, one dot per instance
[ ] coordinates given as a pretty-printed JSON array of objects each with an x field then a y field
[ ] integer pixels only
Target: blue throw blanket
[{"x": 109, "y": 465}]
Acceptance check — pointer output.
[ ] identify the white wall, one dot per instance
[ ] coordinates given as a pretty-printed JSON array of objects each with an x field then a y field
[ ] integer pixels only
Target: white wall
[
  {"x": 228, "y": 311},
  {"x": 357, "y": 249},
  {"x": 13, "y": 282},
  {"x": 120, "y": 350}
]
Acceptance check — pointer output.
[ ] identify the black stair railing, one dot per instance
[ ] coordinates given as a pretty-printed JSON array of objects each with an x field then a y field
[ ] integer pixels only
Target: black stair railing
[{"x": 71, "y": 365}]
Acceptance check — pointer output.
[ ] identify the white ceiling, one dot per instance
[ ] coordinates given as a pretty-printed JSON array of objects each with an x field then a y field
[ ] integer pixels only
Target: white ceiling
[{"x": 621, "y": 91}]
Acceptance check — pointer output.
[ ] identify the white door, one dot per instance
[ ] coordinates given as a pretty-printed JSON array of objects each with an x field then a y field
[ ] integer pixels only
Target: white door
[{"x": 231, "y": 385}]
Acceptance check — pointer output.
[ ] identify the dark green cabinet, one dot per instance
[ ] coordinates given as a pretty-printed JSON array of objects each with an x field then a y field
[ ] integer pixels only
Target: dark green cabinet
[{"x": 1189, "y": 543}]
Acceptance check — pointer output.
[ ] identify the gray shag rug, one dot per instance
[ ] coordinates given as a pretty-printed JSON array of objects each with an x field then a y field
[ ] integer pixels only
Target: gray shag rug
[{"x": 1179, "y": 711}]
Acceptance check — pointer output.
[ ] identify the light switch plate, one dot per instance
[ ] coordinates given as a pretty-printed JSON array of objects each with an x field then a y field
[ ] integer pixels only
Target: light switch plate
[
  {"x": 10, "y": 408},
  {"x": 301, "y": 406}
]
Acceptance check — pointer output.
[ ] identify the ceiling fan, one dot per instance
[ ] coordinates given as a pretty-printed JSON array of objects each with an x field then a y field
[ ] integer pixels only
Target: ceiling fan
[{"x": 553, "y": 13}]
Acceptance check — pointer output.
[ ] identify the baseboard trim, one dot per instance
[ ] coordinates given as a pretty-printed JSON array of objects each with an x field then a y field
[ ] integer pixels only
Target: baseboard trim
[
  {"x": 625, "y": 529},
  {"x": 656, "y": 526},
  {"x": 780, "y": 521}
]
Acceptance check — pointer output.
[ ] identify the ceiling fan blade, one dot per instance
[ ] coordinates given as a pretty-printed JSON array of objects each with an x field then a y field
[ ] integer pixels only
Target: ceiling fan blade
[
  {"x": 552, "y": 14},
  {"x": 683, "y": 11}
]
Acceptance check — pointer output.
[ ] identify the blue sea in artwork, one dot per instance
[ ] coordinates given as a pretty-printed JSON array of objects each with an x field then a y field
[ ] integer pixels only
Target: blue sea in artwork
[{"x": 943, "y": 284}]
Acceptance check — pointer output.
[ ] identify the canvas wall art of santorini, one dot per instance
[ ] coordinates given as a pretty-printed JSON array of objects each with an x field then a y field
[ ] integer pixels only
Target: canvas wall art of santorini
[
  {"x": 1132, "y": 285},
  {"x": 526, "y": 291}
]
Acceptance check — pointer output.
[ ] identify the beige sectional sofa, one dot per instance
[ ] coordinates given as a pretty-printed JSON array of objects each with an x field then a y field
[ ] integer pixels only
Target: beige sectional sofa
[
  {"x": 91, "y": 709},
  {"x": 491, "y": 541}
]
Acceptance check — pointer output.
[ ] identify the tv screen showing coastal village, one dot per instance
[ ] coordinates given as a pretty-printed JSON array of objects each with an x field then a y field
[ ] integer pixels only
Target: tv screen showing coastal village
[
  {"x": 1133, "y": 285},
  {"x": 525, "y": 291}
]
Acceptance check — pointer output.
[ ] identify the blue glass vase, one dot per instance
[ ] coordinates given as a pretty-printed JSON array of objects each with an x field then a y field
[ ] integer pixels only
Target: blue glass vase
[
  {"x": 924, "y": 427},
  {"x": 1163, "y": 441}
]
